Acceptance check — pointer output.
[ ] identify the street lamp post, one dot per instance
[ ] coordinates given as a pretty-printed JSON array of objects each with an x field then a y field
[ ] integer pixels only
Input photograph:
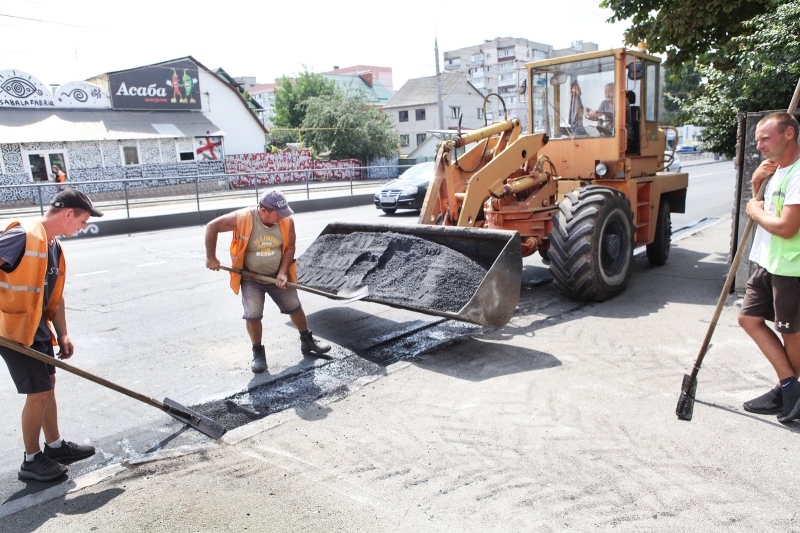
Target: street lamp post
[{"x": 438, "y": 84}]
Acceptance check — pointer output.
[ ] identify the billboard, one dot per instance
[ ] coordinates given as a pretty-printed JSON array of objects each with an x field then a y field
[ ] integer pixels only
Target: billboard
[{"x": 171, "y": 86}]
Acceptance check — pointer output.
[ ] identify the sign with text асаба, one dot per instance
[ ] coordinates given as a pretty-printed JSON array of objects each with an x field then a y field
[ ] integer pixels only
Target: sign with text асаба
[{"x": 168, "y": 86}]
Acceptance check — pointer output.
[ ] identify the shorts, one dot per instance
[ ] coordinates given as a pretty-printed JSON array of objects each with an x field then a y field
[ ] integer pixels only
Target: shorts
[
  {"x": 253, "y": 299},
  {"x": 774, "y": 298},
  {"x": 30, "y": 375}
]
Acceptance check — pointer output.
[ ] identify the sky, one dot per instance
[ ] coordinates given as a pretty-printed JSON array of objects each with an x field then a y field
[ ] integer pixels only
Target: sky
[{"x": 62, "y": 41}]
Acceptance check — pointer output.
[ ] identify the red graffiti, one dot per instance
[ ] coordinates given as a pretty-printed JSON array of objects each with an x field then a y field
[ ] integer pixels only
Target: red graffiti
[
  {"x": 208, "y": 147},
  {"x": 286, "y": 167}
]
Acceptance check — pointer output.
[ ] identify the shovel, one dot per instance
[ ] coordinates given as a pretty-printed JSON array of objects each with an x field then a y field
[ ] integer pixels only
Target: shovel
[
  {"x": 194, "y": 419},
  {"x": 346, "y": 295},
  {"x": 685, "y": 407}
]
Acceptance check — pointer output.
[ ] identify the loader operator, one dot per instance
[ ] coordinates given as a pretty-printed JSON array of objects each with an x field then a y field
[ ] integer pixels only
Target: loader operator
[
  {"x": 263, "y": 243},
  {"x": 773, "y": 291},
  {"x": 32, "y": 271},
  {"x": 605, "y": 112}
]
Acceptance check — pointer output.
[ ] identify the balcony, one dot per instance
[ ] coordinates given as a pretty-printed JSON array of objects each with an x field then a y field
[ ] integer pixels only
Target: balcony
[
  {"x": 474, "y": 63},
  {"x": 454, "y": 66}
]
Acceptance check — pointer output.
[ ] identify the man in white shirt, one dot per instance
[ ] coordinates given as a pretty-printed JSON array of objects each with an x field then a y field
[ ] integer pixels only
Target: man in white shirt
[{"x": 773, "y": 291}]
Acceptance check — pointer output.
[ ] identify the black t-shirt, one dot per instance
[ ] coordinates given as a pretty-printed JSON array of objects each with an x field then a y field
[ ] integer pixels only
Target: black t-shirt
[{"x": 12, "y": 248}]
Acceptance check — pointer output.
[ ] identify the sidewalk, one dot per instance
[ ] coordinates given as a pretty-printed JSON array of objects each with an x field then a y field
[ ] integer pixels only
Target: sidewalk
[{"x": 563, "y": 420}]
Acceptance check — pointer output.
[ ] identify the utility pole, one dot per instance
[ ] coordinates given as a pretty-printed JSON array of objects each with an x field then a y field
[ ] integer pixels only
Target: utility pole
[{"x": 438, "y": 83}]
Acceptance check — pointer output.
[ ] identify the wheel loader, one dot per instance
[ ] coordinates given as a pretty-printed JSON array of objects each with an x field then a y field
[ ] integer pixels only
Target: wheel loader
[{"x": 583, "y": 189}]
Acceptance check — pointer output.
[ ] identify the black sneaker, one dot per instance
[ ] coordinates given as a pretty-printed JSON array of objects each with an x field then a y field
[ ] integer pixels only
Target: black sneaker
[
  {"x": 42, "y": 468},
  {"x": 770, "y": 403},
  {"x": 68, "y": 452},
  {"x": 791, "y": 407}
]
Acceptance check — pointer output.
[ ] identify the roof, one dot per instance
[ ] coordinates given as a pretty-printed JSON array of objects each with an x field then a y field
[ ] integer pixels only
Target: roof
[
  {"x": 377, "y": 93},
  {"x": 58, "y": 125},
  {"x": 422, "y": 91}
]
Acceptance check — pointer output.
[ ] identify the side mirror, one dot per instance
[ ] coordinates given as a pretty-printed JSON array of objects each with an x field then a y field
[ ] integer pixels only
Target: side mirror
[{"x": 636, "y": 70}]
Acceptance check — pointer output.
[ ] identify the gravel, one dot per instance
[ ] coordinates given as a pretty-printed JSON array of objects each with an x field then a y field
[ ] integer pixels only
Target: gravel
[{"x": 399, "y": 269}]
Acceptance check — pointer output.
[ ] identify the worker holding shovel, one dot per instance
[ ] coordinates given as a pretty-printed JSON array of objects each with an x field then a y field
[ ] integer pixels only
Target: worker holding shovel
[
  {"x": 773, "y": 291},
  {"x": 32, "y": 271},
  {"x": 263, "y": 244}
]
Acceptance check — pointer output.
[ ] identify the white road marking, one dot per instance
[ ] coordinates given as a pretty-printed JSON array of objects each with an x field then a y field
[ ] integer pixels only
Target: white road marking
[
  {"x": 91, "y": 273},
  {"x": 151, "y": 264}
]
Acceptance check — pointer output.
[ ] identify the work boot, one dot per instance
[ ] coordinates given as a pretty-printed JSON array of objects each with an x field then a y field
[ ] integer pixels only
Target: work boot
[
  {"x": 308, "y": 344},
  {"x": 68, "y": 452},
  {"x": 259, "y": 363},
  {"x": 42, "y": 468}
]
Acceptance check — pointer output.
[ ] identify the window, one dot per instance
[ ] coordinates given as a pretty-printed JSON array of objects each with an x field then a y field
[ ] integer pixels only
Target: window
[
  {"x": 505, "y": 52},
  {"x": 477, "y": 72},
  {"x": 420, "y": 113},
  {"x": 455, "y": 112},
  {"x": 505, "y": 66},
  {"x": 420, "y": 138},
  {"x": 404, "y": 141},
  {"x": 508, "y": 76},
  {"x": 130, "y": 154},
  {"x": 187, "y": 156},
  {"x": 480, "y": 113},
  {"x": 476, "y": 58},
  {"x": 402, "y": 116}
]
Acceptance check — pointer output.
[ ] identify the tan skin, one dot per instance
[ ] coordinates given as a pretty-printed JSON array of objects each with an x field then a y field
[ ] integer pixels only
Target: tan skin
[
  {"x": 40, "y": 413},
  {"x": 781, "y": 150},
  {"x": 593, "y": 114},
  {"x": 269, "y": 218}
]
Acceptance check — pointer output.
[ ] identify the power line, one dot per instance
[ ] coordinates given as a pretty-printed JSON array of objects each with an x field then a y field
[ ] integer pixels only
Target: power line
[{"x": 52, "y": 22}]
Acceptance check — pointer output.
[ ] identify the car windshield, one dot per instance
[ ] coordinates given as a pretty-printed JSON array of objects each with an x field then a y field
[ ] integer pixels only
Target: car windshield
[{"x": 416, "y": 172}]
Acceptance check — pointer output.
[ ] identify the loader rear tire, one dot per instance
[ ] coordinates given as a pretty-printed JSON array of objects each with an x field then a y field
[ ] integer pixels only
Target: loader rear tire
[
  {"x": 658, "y": 250},
  {"x": 592, "y": 242}
]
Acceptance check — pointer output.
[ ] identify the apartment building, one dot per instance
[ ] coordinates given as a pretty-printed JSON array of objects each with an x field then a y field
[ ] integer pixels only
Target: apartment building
[{"x": 498, "y": 66}]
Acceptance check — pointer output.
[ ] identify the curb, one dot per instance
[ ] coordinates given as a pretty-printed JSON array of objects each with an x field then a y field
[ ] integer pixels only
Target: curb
[{"x": 97, "y": 476}]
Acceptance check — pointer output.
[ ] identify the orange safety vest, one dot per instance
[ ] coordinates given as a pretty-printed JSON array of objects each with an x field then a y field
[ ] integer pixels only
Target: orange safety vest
[
  {"x": 241, "y": 236},
  {"x": 22, "y": 291}
]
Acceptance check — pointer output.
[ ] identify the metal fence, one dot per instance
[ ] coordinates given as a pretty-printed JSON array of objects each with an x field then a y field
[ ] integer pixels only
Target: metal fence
[{"x": 132, "y": 193}]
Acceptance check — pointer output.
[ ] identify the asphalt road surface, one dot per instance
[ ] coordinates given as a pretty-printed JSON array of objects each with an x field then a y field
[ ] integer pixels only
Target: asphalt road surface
[{"x": 144, "y": 312}]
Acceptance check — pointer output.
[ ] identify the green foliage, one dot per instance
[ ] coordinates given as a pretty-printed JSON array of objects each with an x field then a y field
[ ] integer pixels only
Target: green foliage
[
  {"x": 687, "y": 30},
  {"x": 766, "y": 68},
  {"x": 290, "y": 96},
  {"x": 347, "y": 126},
  {"x": 679, "y": 84},
  {"x": 279, "y": 137}
]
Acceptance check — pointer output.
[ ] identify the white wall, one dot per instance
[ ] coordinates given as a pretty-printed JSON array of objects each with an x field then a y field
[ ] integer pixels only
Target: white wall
[{"x": 225, "y": 108}]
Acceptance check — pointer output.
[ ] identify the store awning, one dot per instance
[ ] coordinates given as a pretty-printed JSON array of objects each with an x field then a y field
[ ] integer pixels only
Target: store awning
[{"x": 61, "y": 125}]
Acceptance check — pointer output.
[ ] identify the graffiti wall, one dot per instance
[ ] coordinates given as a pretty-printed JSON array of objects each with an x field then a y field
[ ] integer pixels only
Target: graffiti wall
[{"x": 285, "y": 167}]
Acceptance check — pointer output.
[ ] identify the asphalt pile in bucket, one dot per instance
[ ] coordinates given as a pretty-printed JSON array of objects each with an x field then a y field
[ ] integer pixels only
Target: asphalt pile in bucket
[{"x": 397, "y": 268}]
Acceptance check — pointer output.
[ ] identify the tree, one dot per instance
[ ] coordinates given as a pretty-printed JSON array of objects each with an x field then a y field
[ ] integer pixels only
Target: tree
[
  {"x": 766, "y": 68},
  {"x": 347, "y": 126},
  {"x": 687, "y": 30},
  {"x": 679, "y": 85},
  {"x": 290, "y": 94}
]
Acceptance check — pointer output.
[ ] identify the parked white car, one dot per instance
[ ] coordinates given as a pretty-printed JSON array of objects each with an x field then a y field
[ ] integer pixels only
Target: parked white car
[{"x": 675, "y": 164}]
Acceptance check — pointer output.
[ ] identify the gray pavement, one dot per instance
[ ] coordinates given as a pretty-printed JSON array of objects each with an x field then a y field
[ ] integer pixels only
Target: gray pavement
[{"x": 561, "y": 421}]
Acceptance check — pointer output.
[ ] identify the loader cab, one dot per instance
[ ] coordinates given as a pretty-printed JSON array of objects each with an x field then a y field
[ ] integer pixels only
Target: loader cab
[{"x": 604, "y": 104}]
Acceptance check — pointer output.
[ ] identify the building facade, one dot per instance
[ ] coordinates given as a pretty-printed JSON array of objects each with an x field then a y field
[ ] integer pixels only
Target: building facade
[
  {"x": 170, "y": 119},
  {"x": 414, "y": 111}
]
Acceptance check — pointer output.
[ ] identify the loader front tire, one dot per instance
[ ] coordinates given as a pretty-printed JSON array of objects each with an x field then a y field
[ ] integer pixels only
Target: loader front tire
[
  {"x": 658, "y": 250},
  {"x": 592, "y": 242}
]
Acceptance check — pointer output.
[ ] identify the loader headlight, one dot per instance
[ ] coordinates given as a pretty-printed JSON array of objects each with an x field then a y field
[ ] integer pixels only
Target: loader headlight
[
  {"x": 601, "y": 169},
  {"x": 409, "y": 191}
]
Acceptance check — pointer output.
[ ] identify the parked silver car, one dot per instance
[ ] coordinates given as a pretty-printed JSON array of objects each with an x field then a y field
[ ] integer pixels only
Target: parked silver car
[{"x": 675, "y": 165}]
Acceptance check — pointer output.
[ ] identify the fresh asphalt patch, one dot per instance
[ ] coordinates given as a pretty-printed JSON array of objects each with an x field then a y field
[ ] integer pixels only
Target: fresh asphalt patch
[{"x": 327, "y": 378}]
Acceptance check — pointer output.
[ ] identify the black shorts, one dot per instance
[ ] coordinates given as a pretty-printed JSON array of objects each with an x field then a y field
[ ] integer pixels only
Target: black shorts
[
  {"x": 774, "y": 298},
  {"x": 30, "y": 375}
]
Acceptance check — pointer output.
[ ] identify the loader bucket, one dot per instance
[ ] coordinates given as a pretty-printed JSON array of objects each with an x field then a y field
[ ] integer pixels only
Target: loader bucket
[{"x": 497, "y": 252}]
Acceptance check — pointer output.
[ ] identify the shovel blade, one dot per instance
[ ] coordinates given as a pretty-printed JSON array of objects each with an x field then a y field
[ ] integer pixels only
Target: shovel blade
[
  {"x": 201, "y": 423},
  {"x": 351, "y": 294},
  {"x": 685, "y": 407}
]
